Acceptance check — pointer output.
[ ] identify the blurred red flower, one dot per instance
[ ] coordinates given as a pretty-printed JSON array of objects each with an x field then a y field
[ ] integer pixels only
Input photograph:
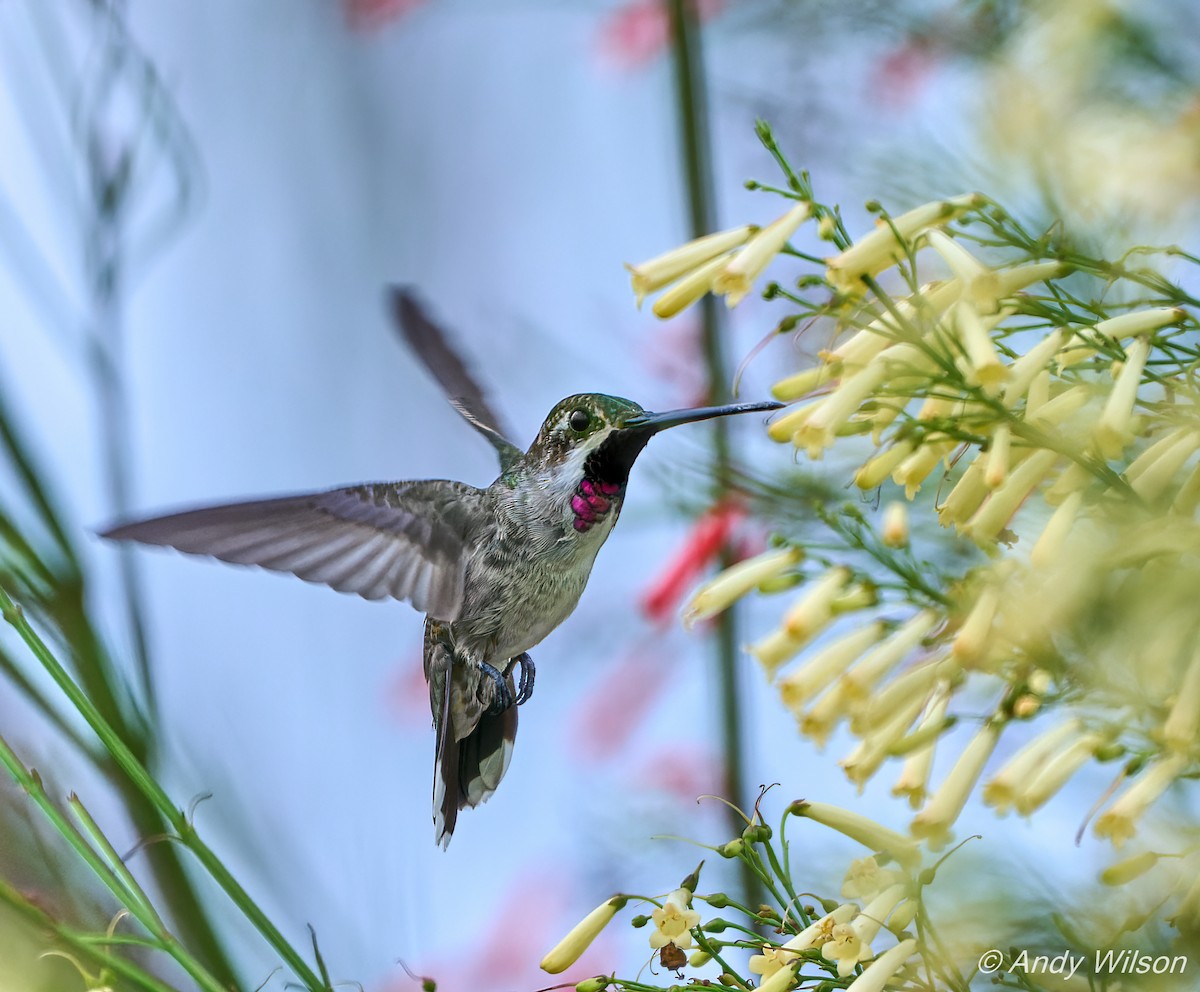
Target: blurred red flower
[
  {"x": 660, "y": 601},
  {"x": 637, "y": 32},
  {"x": 370, "y": 15}
]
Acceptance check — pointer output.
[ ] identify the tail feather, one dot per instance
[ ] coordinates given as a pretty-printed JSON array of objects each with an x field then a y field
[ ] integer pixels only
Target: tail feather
[{"x": 470, "y": 770}]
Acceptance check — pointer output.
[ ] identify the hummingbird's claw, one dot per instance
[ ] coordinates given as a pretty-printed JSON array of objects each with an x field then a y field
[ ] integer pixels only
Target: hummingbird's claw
[
  {"x": 502, "y": 695},
  {"x": 525, "y": 679}
]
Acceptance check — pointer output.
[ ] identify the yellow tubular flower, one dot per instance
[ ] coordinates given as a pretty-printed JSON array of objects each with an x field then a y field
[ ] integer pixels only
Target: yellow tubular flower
[
  {"x": 1139, "y": 322},
  {"x": 827, "y": 713},
  {"x": 1114, "y": 428},
  {"x": 662, "y": 270},
  {"x": 880, "y": 466},
  {"x": 1055, "y": 773},
  {"x": 916, "y": 468},
  {"x": 913, "y": 683},
  {"x": 864, "y": 761},
  {"x": 798, "y": 386},
  {"x": 1060, "y": 408},
  {"x": 876, "y": 663},
  {"x": 1152, "y": 481},
  {"x": 1002, "y": 790},
  {"x": 880, "y": 971},
  {"x": 798, "y": 687},
  {"x": 785, "y": 428},
  {"x": 1054, "y": 535},
  {"x": 732, "y": 584},
  {"x": 985, "y": 526},
  {"x": 880, "y": 249},
  {"x": 1117, "y": 822},
  {"x": 689, "y": 289},
  {"x": 571, "y": 947},
  {"x": 1181, "y": 732},
  {"x": 735, "y": 281},
  {"x": 934, "y": 821},
  {"x": 867, "y": 832},
  {"x": 997, "y": 463},
  {"x": 1039, "y": 393},
  {"x": 1130, "y": 868},
  {"x": 983, "y": 365},
  {"x": 967, "y": 494},
  {"x": 914, "y": 774},
  {"x": 813, "y": 611},
  {"x": 1025, "y": 369},
  {"x": 894, "y": 532}
]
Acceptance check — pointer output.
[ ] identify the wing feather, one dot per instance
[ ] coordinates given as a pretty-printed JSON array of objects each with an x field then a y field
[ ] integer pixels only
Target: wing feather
[{"x": 404, "y": 540}]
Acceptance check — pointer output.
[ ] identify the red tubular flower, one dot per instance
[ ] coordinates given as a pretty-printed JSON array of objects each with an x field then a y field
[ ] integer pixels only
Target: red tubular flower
[
  {"x": 660, "y": 601},
  {"x": 370, "y": 15}
]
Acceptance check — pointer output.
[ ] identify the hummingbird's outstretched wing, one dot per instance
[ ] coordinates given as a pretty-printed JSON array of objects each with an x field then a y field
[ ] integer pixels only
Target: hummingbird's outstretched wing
[
  {"x": 430, "y": 343},
  {"x": 404, "y": 540}
]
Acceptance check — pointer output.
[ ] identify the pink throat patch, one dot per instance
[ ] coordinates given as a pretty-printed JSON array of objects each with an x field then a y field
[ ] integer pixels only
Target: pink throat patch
[{"x": 592, "y": 500}]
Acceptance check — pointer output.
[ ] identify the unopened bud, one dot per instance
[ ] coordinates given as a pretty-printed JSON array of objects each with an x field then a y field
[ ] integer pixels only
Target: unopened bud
[
  {"x": 718, "y": 900},
  {"x": 692, "y": 882},
  {"x": 699, "y": 959},
  {"x": 757, "y": 832},
  {"x": 597, "y": 984},
  {"x": 733, "y": 849}
]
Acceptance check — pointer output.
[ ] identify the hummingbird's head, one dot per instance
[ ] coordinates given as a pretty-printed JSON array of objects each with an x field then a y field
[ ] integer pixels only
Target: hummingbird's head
[{"x": 603, "y": 435}]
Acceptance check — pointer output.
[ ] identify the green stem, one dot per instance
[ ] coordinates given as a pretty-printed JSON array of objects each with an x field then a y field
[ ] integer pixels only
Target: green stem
[
  {"x": 690, "y": 94},
  {"x": 157, "y": 796}
]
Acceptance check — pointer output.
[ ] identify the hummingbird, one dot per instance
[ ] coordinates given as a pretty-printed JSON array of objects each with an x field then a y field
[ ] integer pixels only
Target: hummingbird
[{"x": 494, "y": 570}]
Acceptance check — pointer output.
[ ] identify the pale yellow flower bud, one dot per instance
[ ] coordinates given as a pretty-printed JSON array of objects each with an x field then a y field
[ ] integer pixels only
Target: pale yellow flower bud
[
  {"x": 798, "y": 687},
  {"x": 817, "y": 432},
  {"x": 894, "y": 532},
  {"x": 739, "y": 275},
  {"x": 722, "y": 591},
  {"x": 1181, "y": 731},
  {"x": 1074, "y": 478},
  {"x": 912, "y": 685},
  {"x": 1113, "y": 431},
  {"x": 1127, "y": 870},
  {"x": 797, "y": 386},
  {"x": 1139, "y": 322},
  {"x": 903, "y": 916},
  {"x": 997, "y": 463},
  {"x": 689, "y": 289},
  {"x": 983, "y": 365},
  {"x": 873, "y": 836},
  {"x": 1117, "y": 823},
  {"x": 880, "y": 249},
  {"x": 572, "y": 946},
  {"x": 934, "y": 821},
  {"x": 781, "y": 980},
  {"x": 879, "y": 972},
  {"x": 1054, "y": 534},
  {"x": 653, "y": 275}
]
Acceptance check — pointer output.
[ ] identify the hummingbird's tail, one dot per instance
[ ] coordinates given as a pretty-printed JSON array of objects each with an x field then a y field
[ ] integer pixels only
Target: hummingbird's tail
[
  {"x": 468, "y": 771},
  {"x": 474, "y": 746}
]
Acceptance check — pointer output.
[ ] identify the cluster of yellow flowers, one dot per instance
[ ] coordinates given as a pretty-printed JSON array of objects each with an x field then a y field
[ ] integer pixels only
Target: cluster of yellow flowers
[
  {"x": 1071, "y": 437},
  {"x": 838, "y": 941}
]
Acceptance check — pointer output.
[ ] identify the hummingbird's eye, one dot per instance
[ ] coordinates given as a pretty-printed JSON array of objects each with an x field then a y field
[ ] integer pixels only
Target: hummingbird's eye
[{"x": 579, "y": 420}]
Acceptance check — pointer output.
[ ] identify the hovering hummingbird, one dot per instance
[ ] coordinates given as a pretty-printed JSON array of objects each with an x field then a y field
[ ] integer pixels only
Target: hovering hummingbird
[{"x": 495, "y": 570}]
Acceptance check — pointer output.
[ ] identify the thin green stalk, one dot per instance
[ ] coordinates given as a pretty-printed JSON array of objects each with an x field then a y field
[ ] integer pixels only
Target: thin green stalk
[
  {"x": 157, "y": 796},
  {"x": 87, "y": 944},
  {"x": 690, "y": 94}
]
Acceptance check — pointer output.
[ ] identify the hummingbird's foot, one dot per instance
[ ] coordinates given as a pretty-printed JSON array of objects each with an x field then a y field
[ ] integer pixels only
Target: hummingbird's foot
[
  {"x": 525, "y": 679},
  {"x": 502, "y": 695}
]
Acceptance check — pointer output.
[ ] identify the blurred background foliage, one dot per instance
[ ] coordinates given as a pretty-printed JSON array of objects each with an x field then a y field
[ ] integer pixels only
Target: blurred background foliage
[{"x": 199, "y": 207}]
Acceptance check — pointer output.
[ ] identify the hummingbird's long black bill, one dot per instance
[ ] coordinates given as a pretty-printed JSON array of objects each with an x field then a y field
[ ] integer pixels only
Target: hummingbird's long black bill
[{"x": 652, "y": 423}]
